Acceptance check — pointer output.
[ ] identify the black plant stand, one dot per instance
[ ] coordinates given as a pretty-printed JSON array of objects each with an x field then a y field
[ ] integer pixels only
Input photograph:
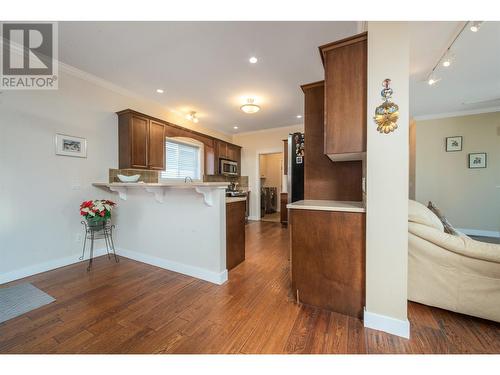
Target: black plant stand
[{"x": 98, "y": 231}]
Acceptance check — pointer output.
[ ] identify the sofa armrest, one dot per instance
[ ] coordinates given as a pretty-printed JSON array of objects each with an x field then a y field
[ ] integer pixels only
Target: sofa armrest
[{"x": 462, "y": 245}]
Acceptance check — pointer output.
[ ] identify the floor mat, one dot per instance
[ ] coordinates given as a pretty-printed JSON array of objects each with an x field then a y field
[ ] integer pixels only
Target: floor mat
[{"x": 19, "y": 299}]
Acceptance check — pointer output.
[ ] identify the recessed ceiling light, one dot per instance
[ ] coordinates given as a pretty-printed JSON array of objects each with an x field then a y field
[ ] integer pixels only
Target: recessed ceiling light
[
  {"x": 446, "y": 63},
  {"x": 253, "y": 60},
  {"x": 432, "y": 81},
  {"x": 159, "y": 91},
  {"x": 235, "y": 127},
  {"x": 299, "y": 116}
]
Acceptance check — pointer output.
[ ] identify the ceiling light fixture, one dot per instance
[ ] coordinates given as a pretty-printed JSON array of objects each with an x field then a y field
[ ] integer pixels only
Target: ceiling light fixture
[
  {"x": 432, "y": 81},
  {"x": 475, "y": 26},
  {"x": 159, "y": 91},
  {"x": 253, "y": 60},
  {"x": 299, "y": 116},
  {"x": 191, "y": 116},
  {"x": 250, "y": 107},
  {"x": 235, "y": 127}
]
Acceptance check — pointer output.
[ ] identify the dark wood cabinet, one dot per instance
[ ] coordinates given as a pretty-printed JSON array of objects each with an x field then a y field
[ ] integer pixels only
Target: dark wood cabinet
[
  {"x": 283, "y": 209},
  {"x": 328, "y": 259},
  {"x": 235, "y": 233},
  {"x": 141, "y": 142},
  {"x": 156, "y": 146},
  {"x": 323, "y": 178},
  {"x": 345, "y": 63}
]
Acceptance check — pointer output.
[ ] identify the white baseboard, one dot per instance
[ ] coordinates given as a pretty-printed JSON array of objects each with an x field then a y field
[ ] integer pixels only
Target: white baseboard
[
  {"x": 478, "y": 232},
  {"x": 199, "y": 273},
  {"x": 387, "y": 324},
  {"x": 254, "y": 218},
  {"x": 46, "y": 266}
]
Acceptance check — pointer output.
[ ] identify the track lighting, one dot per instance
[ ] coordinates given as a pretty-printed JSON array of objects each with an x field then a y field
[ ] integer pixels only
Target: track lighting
[{"x": 475, "y": 26}]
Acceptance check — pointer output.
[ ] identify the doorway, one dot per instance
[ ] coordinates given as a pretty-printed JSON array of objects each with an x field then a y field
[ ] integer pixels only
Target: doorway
[{"x": 270, "y": 185}]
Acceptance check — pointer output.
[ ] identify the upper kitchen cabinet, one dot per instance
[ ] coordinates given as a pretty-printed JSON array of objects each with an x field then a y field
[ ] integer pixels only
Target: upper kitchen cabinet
[
  {"x": 345, "y": 63},
  {"x": 141, "y": 142}
]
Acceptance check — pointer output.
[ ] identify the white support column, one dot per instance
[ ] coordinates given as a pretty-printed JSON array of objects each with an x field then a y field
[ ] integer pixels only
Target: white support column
[{"x": 387, "y": 183}]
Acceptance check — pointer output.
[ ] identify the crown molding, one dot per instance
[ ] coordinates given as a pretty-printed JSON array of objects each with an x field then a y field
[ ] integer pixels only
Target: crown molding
[
  {"x": 267, "y": 129},
  {"x": 469, "y": 112}
]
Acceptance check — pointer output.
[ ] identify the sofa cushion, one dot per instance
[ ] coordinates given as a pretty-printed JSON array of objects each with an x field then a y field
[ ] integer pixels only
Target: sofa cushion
[
  {"x": 418, "y": 213},
  {"x": 448, "y": 228}
]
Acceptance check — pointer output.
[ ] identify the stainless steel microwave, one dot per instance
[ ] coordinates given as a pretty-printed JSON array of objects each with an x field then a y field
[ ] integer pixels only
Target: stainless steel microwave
[{"x": 228, "y": 167}]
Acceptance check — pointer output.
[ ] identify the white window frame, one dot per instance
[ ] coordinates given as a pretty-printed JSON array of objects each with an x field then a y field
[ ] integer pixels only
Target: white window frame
[{"x": 201, "y": 155}]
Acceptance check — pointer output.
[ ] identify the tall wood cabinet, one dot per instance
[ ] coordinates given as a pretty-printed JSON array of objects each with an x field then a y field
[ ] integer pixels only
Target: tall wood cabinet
[
  {"x": 345, "y": 63},
  {"x": 141, "y": 142},
  {"x": 323, "y": 178}
]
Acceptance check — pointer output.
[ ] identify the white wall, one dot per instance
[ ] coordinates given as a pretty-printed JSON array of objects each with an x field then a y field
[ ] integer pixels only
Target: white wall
[
  {"x": 40, "y": 192},
  {"x": 469, "y": 198},
  {"x": 387, "y": 182},
  {"x": 253, "y": 144}
]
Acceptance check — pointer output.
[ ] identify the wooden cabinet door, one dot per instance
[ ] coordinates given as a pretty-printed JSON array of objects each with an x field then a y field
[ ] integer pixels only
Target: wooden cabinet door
[
  {"x": 232, "y": 152},
  {"x": 210, "y": 165},
  {"x": 156, "y": 146},
  {"x": 222, "y": 149},
  {"x": 139, "y": 142},
  {"x": 235, "y": 233},
  {"x": 345, "y": 99},
  {"x": 283, "y": 209}
]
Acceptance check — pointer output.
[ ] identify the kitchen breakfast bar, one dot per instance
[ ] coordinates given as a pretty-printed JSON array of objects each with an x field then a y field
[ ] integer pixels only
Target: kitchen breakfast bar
[{"x": 177, "y": 226}]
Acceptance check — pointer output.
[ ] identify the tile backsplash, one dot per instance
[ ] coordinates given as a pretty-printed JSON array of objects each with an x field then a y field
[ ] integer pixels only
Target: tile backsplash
[
  {"x": 241, "y": 180},
  {"x": 146, "y": 176}
]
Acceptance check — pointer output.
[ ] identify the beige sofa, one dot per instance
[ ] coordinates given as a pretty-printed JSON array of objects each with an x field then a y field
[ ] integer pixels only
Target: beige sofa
[{"x": 452, "y": 272}]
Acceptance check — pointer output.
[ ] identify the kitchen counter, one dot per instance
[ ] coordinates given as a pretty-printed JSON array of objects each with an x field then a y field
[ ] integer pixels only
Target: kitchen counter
[
  {"x": 207, "y": 189},
  {"x": 235, "y": 199},
  {"x": 326, "y": 205}
]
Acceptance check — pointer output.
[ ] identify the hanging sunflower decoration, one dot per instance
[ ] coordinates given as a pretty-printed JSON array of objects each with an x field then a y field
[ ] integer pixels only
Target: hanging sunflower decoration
[{"x": 386, "y": 114}]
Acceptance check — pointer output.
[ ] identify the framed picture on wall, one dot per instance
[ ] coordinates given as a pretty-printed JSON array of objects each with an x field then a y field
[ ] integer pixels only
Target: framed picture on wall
[
  {"x": 453, "y": 144},
  {"x": 68, "y": 145},
  {"x": 477, "y": 160}
]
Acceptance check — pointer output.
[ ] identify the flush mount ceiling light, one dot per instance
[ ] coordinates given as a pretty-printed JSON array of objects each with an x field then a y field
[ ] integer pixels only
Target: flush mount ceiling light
[
  {"x": 159, "y": 91},
  {"x": 235, "y": 127},
  {"x": 250, "y": 107},
  {"x": 253, "y": 60},
  {"x": 299, "y": 116},
  {"x": 191, "y": 116},
  {"x": 475, "y": 26}
]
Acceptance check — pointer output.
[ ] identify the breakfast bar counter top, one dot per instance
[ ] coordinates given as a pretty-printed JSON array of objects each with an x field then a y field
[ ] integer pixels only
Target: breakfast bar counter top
[
  {"x": 163, "y": 184},
  {"x": 327, "y": 205}
]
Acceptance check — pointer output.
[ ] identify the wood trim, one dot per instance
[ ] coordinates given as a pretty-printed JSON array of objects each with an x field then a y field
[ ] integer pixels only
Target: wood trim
[
  {"x": 308, "y": 86},
  {"x": 131, "y": 111},
  {"x": 341, "y": 43}
]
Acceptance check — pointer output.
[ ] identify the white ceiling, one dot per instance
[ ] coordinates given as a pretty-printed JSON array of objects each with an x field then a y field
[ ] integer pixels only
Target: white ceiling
[
  {"x": 203, "y": 66},
  {"x": 469, "y": 83}
]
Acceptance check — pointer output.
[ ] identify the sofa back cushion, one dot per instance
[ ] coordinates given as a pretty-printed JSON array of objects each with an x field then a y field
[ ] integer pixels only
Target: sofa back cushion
[{"x": 418, "y": 213}]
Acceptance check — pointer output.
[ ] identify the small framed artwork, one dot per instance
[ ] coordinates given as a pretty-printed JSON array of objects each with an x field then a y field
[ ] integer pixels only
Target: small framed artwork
[
  {"x": 453, "y": 144},
  {"x": 68, "y": 145},
  {"x": 477, "y": 160}
]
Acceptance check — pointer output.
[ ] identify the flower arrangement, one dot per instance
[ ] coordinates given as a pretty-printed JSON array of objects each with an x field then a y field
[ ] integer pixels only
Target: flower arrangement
[{"x": 97, "y": 210}]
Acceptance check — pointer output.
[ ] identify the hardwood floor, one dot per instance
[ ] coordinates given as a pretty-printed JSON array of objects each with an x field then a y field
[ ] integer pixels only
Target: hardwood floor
[{"x": 132, "y": 307}]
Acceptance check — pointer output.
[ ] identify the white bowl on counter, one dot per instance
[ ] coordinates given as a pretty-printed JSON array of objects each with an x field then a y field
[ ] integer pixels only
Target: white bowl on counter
[{"x": 133, "y": 178}]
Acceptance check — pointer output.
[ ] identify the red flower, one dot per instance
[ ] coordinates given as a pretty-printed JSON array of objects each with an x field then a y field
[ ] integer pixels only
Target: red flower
[
  {"x": 83, "y": 213},
  {"x": 102, "y": 213}
]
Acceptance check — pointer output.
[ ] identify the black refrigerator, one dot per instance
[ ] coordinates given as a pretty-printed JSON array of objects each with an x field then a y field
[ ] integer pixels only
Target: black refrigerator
[{"x": 295, "y": 185}]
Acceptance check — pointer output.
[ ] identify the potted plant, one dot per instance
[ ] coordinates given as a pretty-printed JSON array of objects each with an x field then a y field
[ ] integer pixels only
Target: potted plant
[{"x": 97, "y": 212}]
